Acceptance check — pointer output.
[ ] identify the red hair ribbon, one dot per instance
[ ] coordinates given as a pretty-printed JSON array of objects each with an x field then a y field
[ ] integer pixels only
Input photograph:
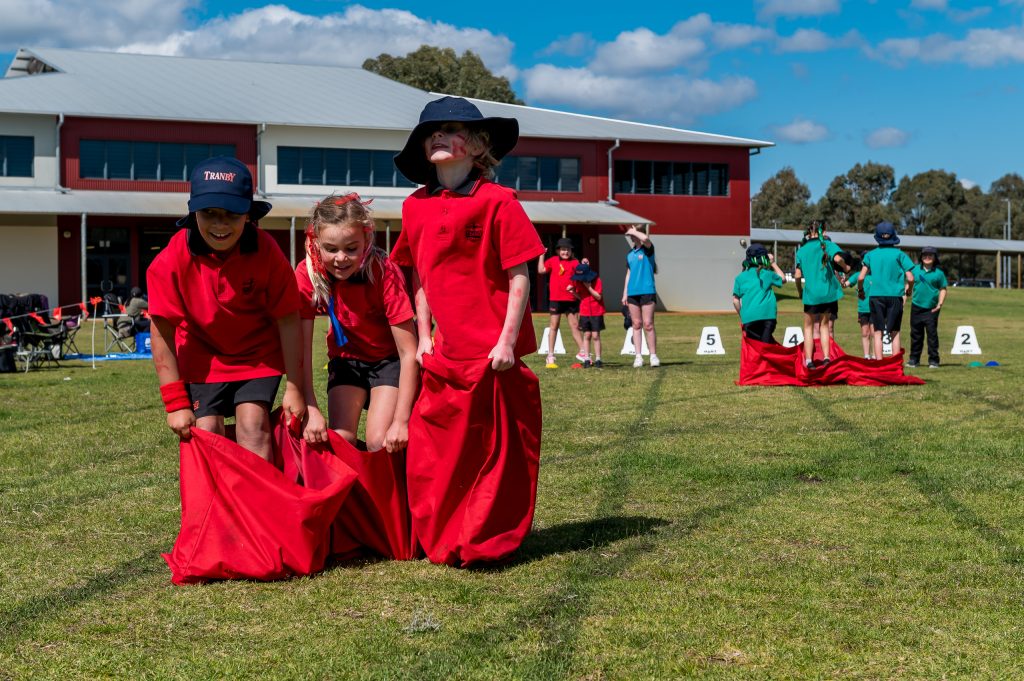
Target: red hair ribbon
[
  {"x": 351, "y": 197},
  {"x": 313, "y": 250}
]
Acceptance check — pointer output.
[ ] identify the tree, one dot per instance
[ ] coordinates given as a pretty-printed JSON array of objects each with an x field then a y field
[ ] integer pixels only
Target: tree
[
  {"x": 927, "y": 203},
  {"x": 860, "y": 199},
  {"x": 781, "y": 202},
  {"x": 436, "y": 69}
]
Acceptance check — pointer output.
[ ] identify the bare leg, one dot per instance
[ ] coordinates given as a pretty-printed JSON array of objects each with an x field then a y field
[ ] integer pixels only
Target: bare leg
[
  {"x": 252, "y": 428},
  {"x": 647, "y": 312},
  {"x": 211, "y": 424},
  {"x": 344, "y": 407},
  {"x": 809, "y": 321},
  {"x": 637, "y": 321},
  {"x": 553, "y": 333},
  {"x": 865, "y": 339},
  {"x": 896, "y": 343},
  {"x": 574, "y": 327},
  {"x": 878, "y": 344},
  {"x": 380, "y": 415}
]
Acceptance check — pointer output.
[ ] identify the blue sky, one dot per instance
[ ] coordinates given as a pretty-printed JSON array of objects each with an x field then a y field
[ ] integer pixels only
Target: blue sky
[{"x": 918, "y": 84}]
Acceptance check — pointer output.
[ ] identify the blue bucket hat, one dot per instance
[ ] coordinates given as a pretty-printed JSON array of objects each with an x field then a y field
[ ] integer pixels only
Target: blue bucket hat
[
  {"x": 223, "y": 182},
  {"x": 412, "y": 161},
  {"x": 584, "y": 273},
  {"x": 885, "y": 234}
]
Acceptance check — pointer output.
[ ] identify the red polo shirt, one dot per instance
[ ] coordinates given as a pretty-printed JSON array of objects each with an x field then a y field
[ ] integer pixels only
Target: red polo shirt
[
  {"x": 560, "y": 272},
  {"x": 366, "y": 310},
  {"x": 225, "y": 308},
  {"x": 461, "y": 244},
  {"x": 589, "y": 305}
]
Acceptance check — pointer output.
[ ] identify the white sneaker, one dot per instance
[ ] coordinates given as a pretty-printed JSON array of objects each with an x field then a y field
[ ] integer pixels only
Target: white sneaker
[
  {"x": 582, "y": 357},
  {"x": 638, "y": 362},
  {"x": 655, "y": 362}
]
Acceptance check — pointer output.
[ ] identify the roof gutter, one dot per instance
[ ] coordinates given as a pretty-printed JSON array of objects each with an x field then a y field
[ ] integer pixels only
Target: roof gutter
[
  {"x": 58, "y": 186},
  {"x": 611, "y": 174}
]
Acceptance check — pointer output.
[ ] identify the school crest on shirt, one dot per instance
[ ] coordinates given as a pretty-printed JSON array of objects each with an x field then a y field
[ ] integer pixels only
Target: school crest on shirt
[{"x": 474, "y": 233}]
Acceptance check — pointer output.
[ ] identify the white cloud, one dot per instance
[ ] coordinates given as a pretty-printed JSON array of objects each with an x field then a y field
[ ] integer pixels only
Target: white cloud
[
  {"x": 678, "y": 100},
  {"x": 967, "y": 184},
  {"x": 886, "y": 138},
  {"x": 642, "y": 50},
  {"x": 86, "y": 23},
  {"x": 980, "y": 47},
  {"x": 813, "y": 40},
  {"x": 734, "y": 36},
  {"x": 797, "y": 8},
  {"x": 801, "y": 131},
  {"x": 937, "y": 5},
  {"x": 574, "y": 45}
]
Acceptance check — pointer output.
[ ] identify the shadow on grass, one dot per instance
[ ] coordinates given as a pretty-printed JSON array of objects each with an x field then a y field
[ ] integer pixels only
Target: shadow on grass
[
  {"x": 581, "y": 535},
  {"x": 47, "y": 606}
]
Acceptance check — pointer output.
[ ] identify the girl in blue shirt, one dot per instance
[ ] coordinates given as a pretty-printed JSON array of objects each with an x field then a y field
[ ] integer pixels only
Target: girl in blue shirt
[{"x": 639, "y": 293}]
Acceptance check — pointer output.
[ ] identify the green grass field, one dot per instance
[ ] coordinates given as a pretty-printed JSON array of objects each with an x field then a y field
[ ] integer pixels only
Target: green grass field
[{"x": 685, "y": 527}]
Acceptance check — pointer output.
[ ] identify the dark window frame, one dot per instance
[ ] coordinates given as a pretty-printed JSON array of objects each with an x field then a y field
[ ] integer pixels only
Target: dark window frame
[
  {"x": 513, "y": 170},
  {"x": 172, "y": 158},
  {"x": 6, "y": 160},
  {"x": 684, "y": 178},
  {"x": 338, "y": 167}
]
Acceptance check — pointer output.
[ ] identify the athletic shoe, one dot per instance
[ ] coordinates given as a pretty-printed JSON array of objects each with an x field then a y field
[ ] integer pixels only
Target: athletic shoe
[
  {"x": 638, "y": 362},
  {"x": 911, "y": 364},
  {"x": 598, "y": 364},
  {"x": 551, "y": 363},
  {"x": 587, "y": 364},
  {"x": 655, "y": 362},
  {"x": 824, "y": 363},
  {"x": 932, "y": 365},
  {"x": 582, "y": 357},
  {"x": 809, "y": 364}
]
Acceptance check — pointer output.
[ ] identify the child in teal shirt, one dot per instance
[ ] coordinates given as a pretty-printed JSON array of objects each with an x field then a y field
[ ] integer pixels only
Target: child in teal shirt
[
  {"x": 819, "y": 287},
  {"x": 929, "y": 295},
  {"x": 753, "y": 296},
  {"x": 891, "y": 278},
  {"x": 867, "y": 331}
]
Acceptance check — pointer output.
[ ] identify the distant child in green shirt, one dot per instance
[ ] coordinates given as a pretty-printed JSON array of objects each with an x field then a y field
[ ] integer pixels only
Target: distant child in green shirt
[
  {"x": 867, "y": 331},
  {"x": 753, "y": 295},
  {"x": 891, "y": 277},
  {"x": 820, "y": 288},
  {"x": 929, "y": 295}
]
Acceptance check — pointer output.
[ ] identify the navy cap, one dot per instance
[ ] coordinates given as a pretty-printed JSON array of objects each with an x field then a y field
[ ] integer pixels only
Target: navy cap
[
  {"x": 564, "y": 243},
  {"x": 584, "y": 273},
  {"x": 929, "y": 250},
  {"x": 224, "y": 182},
  {"x": 412, "y": 160},
  {"x": 885, "y": 234}
]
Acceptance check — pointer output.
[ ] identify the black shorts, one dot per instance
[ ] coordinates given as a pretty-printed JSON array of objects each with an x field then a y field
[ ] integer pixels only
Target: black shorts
[
  {"x": 564, "y": 307},
  {"x": 823, "y": 308},
  {"x": 595, "y": 323},
  {"x": 220, "y": 399},
  {"x": 887, "y": 313},
  {"x": 641, "y": 300},
  {"x": 863, "y": 318},
  {"x": 365, "y": 375}
]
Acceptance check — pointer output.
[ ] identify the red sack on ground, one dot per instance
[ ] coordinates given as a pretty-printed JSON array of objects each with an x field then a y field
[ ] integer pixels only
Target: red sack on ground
[
  {"x": 773, "y": 364},
  {"x": 242, "y": 518},
  {"x": 474, "y": 452},
  {"x": 375, "y": 514}
]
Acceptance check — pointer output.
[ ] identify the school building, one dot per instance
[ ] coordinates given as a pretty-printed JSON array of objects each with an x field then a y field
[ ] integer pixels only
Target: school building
[{"x": 96, "y": 148}]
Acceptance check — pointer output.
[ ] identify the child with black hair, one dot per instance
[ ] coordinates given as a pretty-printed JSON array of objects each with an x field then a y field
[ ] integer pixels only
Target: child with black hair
[
  {"x": 820, "y": 288},
  {"x": 589, "y": 292},
  {"x": 562, "y": 298},
  {"x": 224, "y": 308},
  {"x": 474, "y": 437},
  {"x": 753, "y": 296},
  {"x": 926, "y": 304}
]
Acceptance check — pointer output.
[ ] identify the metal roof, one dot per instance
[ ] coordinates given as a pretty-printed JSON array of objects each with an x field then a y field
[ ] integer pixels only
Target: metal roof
[
  {"x": 172, "y": 204},
  {"x": 116, "y": 85},
  {"x": 909, "y": 242}
]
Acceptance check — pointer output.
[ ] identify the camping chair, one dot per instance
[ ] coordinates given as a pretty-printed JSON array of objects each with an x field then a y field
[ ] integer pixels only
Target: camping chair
[
  {"x": 71, "y": 326},
  {"x": 39, "y": 342}
]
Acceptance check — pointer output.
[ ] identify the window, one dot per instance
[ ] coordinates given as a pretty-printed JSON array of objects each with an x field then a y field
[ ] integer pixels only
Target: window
[
  {"x": 338, "y": 167},
  {"x": 17, "y": 155},
  {"x": 671, "y": 177},
  {"x": 539, "y": 173},
  {"x": 128, "y": 160}
]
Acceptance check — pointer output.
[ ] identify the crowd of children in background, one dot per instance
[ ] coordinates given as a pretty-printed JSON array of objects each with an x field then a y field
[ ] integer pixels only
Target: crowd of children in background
[{"x": 884, "y": 279}]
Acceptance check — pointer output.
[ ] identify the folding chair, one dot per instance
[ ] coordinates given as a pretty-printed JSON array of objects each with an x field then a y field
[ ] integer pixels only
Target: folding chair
[
  {"x": 71, "y": 326},
  {"x": 115, "y": 340},
  {"x": 39, "y": 342}
]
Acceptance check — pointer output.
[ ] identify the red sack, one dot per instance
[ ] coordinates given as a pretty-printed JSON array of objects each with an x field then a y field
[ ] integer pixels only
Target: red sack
[
  {"x": 773, "y": 364},
  {"x": 474, "y": 453},
  {"x": 241, "y": 518},
  {"x": 375, "y": 514}
]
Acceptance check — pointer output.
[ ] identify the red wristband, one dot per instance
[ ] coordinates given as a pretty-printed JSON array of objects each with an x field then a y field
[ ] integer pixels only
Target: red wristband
[{"x": 175, "y": 396}]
